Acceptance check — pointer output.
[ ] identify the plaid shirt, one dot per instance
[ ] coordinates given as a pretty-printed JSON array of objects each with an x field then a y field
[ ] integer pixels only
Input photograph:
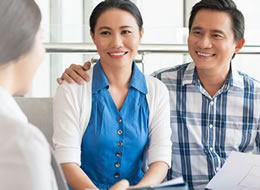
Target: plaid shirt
[{"x": 206, "y": 129}]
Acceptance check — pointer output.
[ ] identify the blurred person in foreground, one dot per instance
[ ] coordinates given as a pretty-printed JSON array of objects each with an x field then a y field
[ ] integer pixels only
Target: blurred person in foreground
[
  {"x": 26, "y": 160},
  {"x": 25, "y": 155}
]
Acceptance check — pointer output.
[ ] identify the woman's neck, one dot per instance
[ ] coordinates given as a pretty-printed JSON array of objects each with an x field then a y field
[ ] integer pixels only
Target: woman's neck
[
  {"x": 119, "y": 79},
  {"x": 118, "y": 76}
]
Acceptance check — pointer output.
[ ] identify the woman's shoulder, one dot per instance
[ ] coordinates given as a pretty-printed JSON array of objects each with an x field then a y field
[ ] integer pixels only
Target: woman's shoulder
[
  {"x": 155, "y": 85},
  {"x": 75, "y": 88}
]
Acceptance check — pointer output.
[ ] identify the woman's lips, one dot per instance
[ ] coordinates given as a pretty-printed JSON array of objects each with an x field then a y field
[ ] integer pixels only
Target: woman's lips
[{"x": 117, "y": 54}]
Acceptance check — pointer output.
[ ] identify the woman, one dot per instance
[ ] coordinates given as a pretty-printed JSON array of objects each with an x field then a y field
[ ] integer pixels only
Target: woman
[
  {"x": 105, "y": 129},
  {"x": 25, "y": 156}
]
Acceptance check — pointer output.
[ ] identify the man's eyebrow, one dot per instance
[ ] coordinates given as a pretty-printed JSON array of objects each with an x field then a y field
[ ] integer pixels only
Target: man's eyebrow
[
  {"x": 196, "y": 28},
  {"x": 218, "y": 31},
  {"x": 214, "y": 30}
]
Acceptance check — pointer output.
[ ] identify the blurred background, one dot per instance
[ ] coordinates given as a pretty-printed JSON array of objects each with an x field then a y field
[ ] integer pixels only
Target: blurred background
[{"x": 67, "y": 39}]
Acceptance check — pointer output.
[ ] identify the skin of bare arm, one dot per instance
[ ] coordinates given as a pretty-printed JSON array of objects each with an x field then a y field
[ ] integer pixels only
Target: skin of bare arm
[
  {"x": 78, "y": 180},
  {"x": 155, "y": 175},
  {"x": 76, "y": 177}
]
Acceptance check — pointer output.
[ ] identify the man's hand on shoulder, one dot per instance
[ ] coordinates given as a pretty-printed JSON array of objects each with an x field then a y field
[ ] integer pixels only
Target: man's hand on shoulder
[{"x": 75, "y": 73}]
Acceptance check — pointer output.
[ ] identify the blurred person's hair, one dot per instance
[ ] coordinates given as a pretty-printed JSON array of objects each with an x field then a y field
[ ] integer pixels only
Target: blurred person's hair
[{"x": 19, "y": 24}]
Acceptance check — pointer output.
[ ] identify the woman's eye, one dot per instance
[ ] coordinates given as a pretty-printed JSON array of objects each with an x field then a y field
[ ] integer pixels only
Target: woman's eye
[{"x": 105, "y": 33}]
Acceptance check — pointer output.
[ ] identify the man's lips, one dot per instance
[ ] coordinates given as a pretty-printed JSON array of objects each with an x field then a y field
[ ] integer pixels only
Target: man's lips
[{"x": 204, "y": 54}]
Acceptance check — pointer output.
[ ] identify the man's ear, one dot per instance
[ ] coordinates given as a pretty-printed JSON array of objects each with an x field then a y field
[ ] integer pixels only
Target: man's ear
[
  {"x": 141, "y": 33},
  {"x": 239, "y": 45}
]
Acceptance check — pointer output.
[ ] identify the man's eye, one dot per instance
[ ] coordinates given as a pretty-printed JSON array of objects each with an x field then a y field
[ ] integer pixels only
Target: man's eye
[
  {"x": 196, "y": 32},
  {"x": 126, "y": 32},
  {"x": 217, "y": 36}
]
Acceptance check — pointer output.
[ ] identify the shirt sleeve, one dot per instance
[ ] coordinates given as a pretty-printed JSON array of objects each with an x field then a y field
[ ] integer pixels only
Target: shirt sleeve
[
  {"x": 25, "y": 161},
  {"x": 257, "y": 140},
  {"x": 66, "y": 123},
  {"x": 159, "y": 148}
]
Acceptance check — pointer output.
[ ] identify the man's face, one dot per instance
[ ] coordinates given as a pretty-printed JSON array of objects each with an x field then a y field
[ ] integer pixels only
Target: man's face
[{"x": 211, "y": 41}]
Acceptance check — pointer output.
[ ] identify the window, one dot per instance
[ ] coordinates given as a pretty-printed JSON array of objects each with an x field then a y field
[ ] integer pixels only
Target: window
[{"x": 164, "y": 24}]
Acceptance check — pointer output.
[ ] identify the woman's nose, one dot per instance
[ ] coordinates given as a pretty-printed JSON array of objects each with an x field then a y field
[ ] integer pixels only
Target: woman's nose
[{"x": 117, "y": 41}]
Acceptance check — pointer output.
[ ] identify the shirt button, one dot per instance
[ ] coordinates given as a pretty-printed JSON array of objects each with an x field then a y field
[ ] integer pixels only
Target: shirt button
[
  {"x": 117, "y": 164},
  {"x": 210, "y": 126},
  {"x": 120, "y": 143},
  {"x": 116, "y": 175},
  {"x": 118, "y": 154},
  {"x": 211, "y": 149},
  {"x": 212, "y": 103},
  {"x": 119, "y": 120},
  {"x": 120, "y": 132},
  {"x": 217, "y": 169}
]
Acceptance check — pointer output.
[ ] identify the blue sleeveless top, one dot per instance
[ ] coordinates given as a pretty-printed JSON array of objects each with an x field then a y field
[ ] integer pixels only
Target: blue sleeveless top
[{"x": 113, "y": 144}]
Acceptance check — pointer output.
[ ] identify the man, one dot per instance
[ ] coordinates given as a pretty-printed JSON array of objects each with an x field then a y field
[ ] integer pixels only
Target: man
[{"x": 215, "y": 109}]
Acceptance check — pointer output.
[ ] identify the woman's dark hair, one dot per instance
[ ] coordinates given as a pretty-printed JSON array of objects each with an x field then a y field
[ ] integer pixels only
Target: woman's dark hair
[
  {"x": 19, "y": 24},
  {"x": 125, "y": 5},
  {"x": 227, "y": 6}
]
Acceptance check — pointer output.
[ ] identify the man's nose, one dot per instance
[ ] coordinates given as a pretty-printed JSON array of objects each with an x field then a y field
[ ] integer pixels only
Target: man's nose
[{"x": 204, "y": 42}]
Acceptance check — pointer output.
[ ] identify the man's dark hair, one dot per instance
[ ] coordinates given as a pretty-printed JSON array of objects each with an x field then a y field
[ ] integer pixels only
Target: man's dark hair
[
  {"x": 227, "y": 6},
  {"x": 105, "y": 5}
]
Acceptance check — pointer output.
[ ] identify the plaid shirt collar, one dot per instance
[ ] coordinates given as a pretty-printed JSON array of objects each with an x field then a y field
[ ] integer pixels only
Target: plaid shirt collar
[{"x": 191, "y": 77}]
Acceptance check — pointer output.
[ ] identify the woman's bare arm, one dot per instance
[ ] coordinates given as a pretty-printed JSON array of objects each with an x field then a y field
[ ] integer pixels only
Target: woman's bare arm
[
  {"x": 155, "y": 175},
  {"x": 76, "y": 177}
]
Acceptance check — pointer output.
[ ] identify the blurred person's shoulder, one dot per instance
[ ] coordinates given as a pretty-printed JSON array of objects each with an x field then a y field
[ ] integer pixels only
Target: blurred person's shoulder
[
  {"x": 25, "y": 156},
  {"x": 22, "y": 135}
]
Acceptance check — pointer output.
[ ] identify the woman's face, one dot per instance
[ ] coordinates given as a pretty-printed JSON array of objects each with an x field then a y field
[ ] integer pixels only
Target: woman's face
[
  {"x": 28, "y": 64},
  {"x": 117, "y": 37}
]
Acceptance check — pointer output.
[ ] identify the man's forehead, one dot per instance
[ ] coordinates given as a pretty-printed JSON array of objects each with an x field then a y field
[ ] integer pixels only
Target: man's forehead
[
  {"x": 213, "y": 13},
  {"x": 212, "y": 20}
]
